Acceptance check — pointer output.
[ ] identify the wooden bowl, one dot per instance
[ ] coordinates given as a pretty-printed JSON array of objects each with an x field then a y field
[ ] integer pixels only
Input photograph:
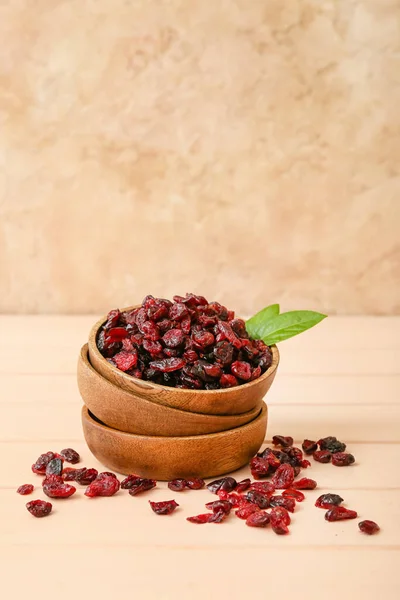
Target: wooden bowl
[
  {"x": 128, "y": 412},
  {"x": 166, "y": 458},
  {"x": 229, "y": 401}
]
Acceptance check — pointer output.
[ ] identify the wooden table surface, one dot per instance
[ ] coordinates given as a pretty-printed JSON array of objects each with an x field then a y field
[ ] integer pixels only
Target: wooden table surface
[{"x": 342, "y": 378}]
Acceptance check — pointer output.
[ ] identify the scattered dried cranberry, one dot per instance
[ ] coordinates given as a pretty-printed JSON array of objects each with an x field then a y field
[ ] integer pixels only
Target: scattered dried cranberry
[
  {"x": 25, "y": 489},
  {"x": 332, "y": 444},
  {"x": 264, "y": 487},
  {"x": 283, "y": 477},
  {"x": 226, "y": 484},
  {"x": 288, "y": 503},
  {"x": 177, "y": 485},
  {"x": 40, "y": 465},
  {"x": 200, "y": 519},
  {"x": 218, "y": 516},
  {"x": 246, "y": 511},
  {"x": 85, "y": 476},
  {"x": 52, "y": 480},
  {"x": 305, "y": 464},
  {"x": 368, "y": 527},
  {"x": 242, "y": 486},
  {"x": 70, "y": 455},
  {"x": 59, "y": 490},
  {"x": 257, "y": 498},
  {"x": 39, "y": 508},
  {"x": 163, "y": 508},
  {"x": 103, "y": 485},
  {"x": 258, "y": 519},
  {"x": 260, "y": 467},
  {"x": 328, "y": 500},
  {"x": 280, "y": 519},
  {"x": 309, "y": 447},
  {"x": 296, "y": 494},
  {"x": 281, "y": 440},
  {"x": 129, "y": 481},
  {"x": 54, "y": 467},
  {"x": 142, "y": 485},
  {"x": 304, "y": 484},
  {"x": 68, "y": 474},
  {"x": 233, "y": 498},
  {"x": 342, "y": 459},
  {"x": 339, "y": 513},
  {"x": 322, "y": 456},
  {"x": 195, "y": 483},
  {"x": 219, "y": 505},
  {"x": 228, "y": 381}
]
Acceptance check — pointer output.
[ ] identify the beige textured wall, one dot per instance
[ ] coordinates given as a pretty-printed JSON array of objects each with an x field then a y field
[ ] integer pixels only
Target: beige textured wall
[{"x": 244, "y": 149}]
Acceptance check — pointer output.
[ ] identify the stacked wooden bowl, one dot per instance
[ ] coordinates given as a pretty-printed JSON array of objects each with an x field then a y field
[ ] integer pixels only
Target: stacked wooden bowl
[{"x": 135, "y": 426}]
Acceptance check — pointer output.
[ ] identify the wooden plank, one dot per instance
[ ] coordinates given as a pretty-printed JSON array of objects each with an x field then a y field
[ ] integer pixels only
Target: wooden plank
[
  {"x": 124, "y": 519},
  {"x": 366, "y": 474},
  {"x": 25, "y": 421},
  {"x": 346, "y": 573},
  {"x": 287, "y": 389}
]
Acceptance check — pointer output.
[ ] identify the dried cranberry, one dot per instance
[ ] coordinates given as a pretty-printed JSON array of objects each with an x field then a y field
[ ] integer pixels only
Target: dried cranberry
[
  {"x": 85, "y": 476},
  {"x": 258, "y": 519},
  {"x": 142, "y": 485},
  {"x": 55, "y": 467},
  {"x": 40, "y": 465},
  {"x": 25, "y": 489},
  {"x": 241, "y": 370},
  {"x": 260, "y": 467},
  {"x": 229, "y": 334},
  {"x": 178, "y": 311},
  {"x": 59, "y": 490},
  {"x": 52, "y": 480},
  {"x": 219, "y": 505},
  {"x": 234, "y": 499},
  {"x": 112, "y": 319},
  {"x": 200, "y": 519},
  {"x": 163, "y": 508},
  {"x": 177, "y": 485},
  {"x": 106, "y": 474},
  {"x": 125, "y": 360},
  {"x": 103, "y": 485},
  {"x": 247, "y": 510},
  {"x": 226, "y": 484},
  {"x": 288, "y": 503},
  {"x": 257, "y": 498},
  {"x": 116, "y": 334},
  {"x": 368, "y": 527},
  {"x": 129, "y": 481},
  {"x": 280, "y": 519},
  {"x": 332, "y": 444},
  {"x": 70, "y": 455},
  {"x": 304, "y": 484},
  {"x": 173, "y": 338},
  {"x": 39, "y": 508},
  {"x": 339, "y": 513},
  {"x": 242, "y": 486},
  {"x": 322, "y": 456},
  {"x": 218, "y": 516},
  {"x": 228, "y": 381},
  {"x": 167, "y": 365},
  {"x": 283, "y": 477},
  {"x": 223, "y": 353},
  {"x": 281, "y": 440},
  {"x": 328, "y": 500},
  {"x": 309, "y": 446},
  {"x": 264, "y": 487},
  {"x": 296, "y": 494},
  {"x": 195, "y": 483},
  {"x": 342, "y": 459},
  {"x": 304, "y": 464},
  {"x": 153, "y": 347}
]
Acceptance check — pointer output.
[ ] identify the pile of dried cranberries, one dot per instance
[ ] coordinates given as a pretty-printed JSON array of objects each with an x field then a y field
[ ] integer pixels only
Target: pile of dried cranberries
[
  {"x": 248, "y": 499},
  {"x": 188, "y": 343}
]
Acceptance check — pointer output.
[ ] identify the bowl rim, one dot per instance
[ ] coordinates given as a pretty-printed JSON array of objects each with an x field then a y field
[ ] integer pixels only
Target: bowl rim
[
  {"x": 84, "y": 357},
  {"x": 86, "y": 414},
  {"x": 92, "y": 343}
]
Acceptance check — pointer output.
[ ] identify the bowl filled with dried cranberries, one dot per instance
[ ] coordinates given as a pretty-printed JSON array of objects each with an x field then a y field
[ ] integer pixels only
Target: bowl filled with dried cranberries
[{"x": 187, "y": 354}]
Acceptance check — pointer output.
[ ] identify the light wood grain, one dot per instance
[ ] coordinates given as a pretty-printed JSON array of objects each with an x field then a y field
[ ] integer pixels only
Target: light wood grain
[{"x": 342, "y": 379}]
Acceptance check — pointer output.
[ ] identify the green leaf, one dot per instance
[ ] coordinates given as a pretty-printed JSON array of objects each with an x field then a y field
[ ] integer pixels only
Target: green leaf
[
  {"x": 256, "y": 324},
  {"x": 286, "y": 325}
]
